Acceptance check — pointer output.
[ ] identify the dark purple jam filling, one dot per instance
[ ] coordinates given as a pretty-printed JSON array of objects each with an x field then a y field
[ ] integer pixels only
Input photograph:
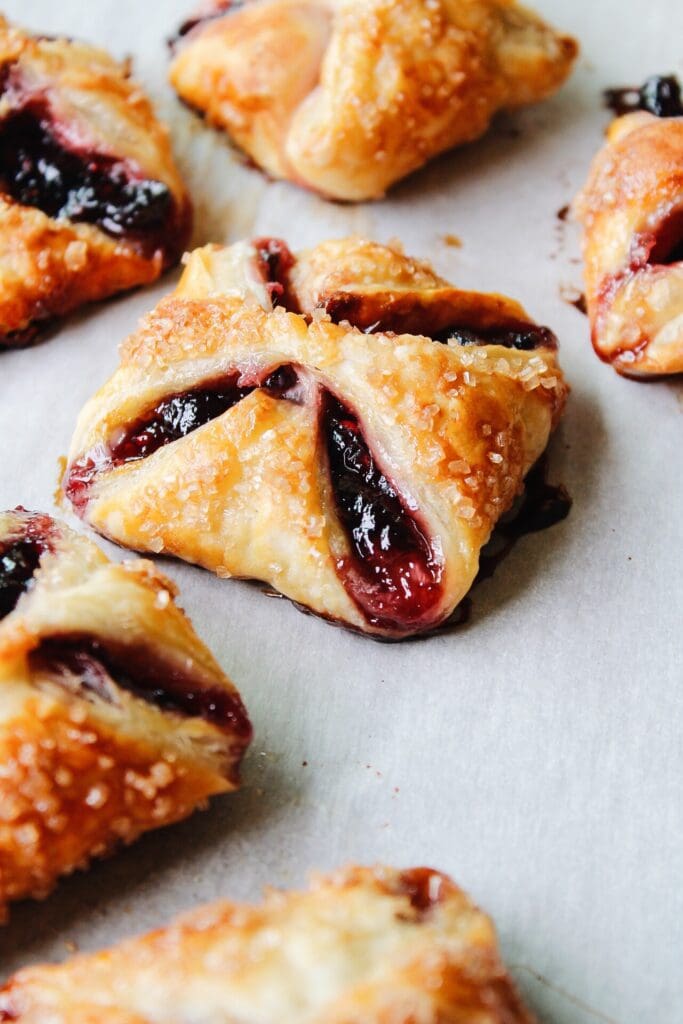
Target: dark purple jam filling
[
  {"x": 276, "y": 261},
  {"x": 173, "y": 418},
  {"x": 667, "y": 247},
  {"x": 524, "y": 338},
  {"x": 392, "y": 573},
  {"x": 659, "y": 95},
  {"x": 97, "y": 665},
  {"x": 36, "y": 170},
  {"x": 19, "y": 560}
]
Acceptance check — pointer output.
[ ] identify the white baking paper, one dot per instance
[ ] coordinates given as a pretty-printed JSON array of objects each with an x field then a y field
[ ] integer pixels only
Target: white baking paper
[{"x": 536, "y": 754}]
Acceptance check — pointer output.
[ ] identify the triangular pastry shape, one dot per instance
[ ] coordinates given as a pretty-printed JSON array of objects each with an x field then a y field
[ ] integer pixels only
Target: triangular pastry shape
[
  {"x": 361, "y": 946},
  {"x": 115, "y": 719}
]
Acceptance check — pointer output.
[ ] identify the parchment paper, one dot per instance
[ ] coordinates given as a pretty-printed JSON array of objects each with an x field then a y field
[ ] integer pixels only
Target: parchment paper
[{"x": 535, "y": 755}]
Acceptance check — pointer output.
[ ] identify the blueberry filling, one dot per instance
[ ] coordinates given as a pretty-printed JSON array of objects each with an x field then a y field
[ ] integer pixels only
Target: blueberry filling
[
  {"x": 171, "y": 419},
  {"x": 391, "y": 572},
  {"x": 19, "y": 560},
  {"x": 524, "y": 338},
  {"x": 98, "y": 668},
  {"x": 36, "y": 170},
  {"x": 275, "y": 260},
  {"x": 659, "y": 95}
]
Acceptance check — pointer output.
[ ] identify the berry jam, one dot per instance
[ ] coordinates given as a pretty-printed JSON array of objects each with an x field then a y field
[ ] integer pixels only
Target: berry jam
[
  {"x": 525, "y": 338},
  {"x": 96, "y": 664},
  {"x": 392, "y": 573},
  {"x": 276, "y": 260},
  {"x": 659, "y": 95},
  {"x": 19, "y": 560},
  {"x": 171, "y": 419},
  {"x": 36, "y": 170}
]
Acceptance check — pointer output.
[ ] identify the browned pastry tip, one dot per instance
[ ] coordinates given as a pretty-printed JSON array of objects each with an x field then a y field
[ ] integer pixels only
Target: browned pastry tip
[
  {"x": 91, "y": 202},
  {"x": 115, "y": 719},
  {"x": 361, "y": 946},
  {"x": 347, "y": 98}
]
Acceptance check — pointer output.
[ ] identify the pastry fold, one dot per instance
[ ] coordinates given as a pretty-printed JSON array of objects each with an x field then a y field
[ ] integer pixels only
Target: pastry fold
[
  {"x": 361, "y": 946},
  {"x": 346, "y": 98},
  {"x": 632, "y": 213},
  {"x": 114, "y": 718},
  {"x": 357, "y": 469},
  {"x": 91, "y": 202}
]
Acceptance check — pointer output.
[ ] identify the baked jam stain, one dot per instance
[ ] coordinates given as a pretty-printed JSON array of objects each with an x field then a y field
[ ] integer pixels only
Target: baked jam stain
[
  {"x": 391, "y": 572},
  {"x": 171, "y": 419},
  {"x": 97, "y": 665},
  {"x": 524, "y": 338},
  {"x": 659, "y": 95},
  {"x": 91, "y": 188},
  {"x": 19, "y": 560},
  {"x": 539, "y": 507},
  {"x": 423, "y": 887}
]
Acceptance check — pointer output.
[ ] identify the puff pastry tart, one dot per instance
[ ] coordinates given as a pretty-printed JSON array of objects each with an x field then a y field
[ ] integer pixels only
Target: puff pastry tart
[
  {"x": 368, "y": 946},
  {"x": 114, "y": 720},
  {"x": 90, "y": 200},
  {"x": 297, "y": 421},
  {"x": 632, "y": 214},
  {"x": 347, "y": 97}
]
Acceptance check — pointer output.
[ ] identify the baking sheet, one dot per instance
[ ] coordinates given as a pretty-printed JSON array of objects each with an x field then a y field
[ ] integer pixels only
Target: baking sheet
[{"x": 536, "y": 754}]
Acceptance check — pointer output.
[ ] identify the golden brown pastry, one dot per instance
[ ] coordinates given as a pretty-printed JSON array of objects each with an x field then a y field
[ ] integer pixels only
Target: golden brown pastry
[
  {"x": 346, "y": 98},
  {"x": 90, "y": 200},
  {"x": 288, "y": 420},
  {"x": 114, "y": 719},
  {"x": 632, "y": 213},
  {"x": 362, "y": 946}
]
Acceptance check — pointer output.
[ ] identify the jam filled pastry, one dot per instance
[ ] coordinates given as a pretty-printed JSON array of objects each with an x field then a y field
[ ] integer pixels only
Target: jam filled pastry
[
  {"x": 632, "y": 214},
  {"x": 361, "y": 946},
  {"x": 90, "y": 200},
  {"x": 347, "y": 97},
  {"x": 298, "y": 422},
  {"x": 115, "y": 718}
]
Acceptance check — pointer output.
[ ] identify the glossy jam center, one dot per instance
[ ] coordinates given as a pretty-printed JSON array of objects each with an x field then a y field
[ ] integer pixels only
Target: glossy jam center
[
  {"x": 36, "y": 170},
  {"x": 276, "y": 260},
  {"x": 659, "y": 95},
  {"x": 525, "y": 338},
  {"x": 391, "y": 573},
  {"x": 95, "y": 665},
  {"x": 19, "y": 560}
]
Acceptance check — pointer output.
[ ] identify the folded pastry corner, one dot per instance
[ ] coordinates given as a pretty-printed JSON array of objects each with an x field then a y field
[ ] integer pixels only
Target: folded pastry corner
[
  {"x": 367, "y": 945},
  {"x": 91, "y": 202},
  {"x": 344, "y": 425},
  {"x": 296, "y": 82},
  {"x": 631, "y": 209},
  {"x": 114, "y": 719}
]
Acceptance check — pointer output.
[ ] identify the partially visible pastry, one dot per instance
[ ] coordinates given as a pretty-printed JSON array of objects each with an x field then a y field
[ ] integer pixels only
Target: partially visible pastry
[
  {"x": 344, "y": 424},
  {"x": 361, "y": 946},
  {"x": 91, "y": 202},
  {"x": 346, "y": 98},
  {"x": 632, "y": 213},
  {"x": 114, "y": 717}
]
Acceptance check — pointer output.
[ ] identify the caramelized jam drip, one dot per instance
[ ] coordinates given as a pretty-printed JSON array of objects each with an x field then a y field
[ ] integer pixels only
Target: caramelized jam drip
[
  {"x": 96, "y": 665},
  {"x": 391, "y": 572},
  {"x": 659, "y": 95},
  {"x": 423, "y": 887}
]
